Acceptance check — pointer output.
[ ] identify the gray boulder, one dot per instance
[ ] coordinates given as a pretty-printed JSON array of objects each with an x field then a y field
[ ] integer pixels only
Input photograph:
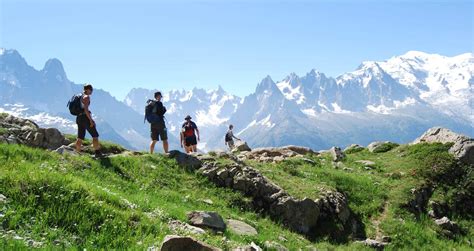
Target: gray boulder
[
  {"x": 241, "y": 146},
  {"x": 180, "y": 243},
  {"x": 337, "y": 154},
  {"x": 210, "y": 220},
  {"x": 188, "y": 161},
  {"x": 241, "y": 228},
  {"x": 463, "y": 146}
]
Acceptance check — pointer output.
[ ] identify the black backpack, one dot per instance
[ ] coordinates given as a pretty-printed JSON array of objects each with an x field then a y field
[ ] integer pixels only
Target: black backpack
[
  {"x": 152, "y": 115},
  {"x": 74, "y": 105},
  {"x": 228, "y": 137}
]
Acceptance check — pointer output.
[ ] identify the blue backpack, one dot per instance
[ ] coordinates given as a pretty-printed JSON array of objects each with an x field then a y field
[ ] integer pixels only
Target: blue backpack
[
  {"x": 74, "y": 105},
  {"x": 151, "y": 114}
]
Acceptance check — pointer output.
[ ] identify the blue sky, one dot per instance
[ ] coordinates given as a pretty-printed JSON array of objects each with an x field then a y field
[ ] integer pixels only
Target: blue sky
[{"x": 117, "y": 45}]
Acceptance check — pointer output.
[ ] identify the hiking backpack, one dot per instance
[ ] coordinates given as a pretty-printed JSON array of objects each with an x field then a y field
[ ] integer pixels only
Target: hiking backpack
[
  {"x": 228, "y": 137},
  {"x": 74, "y": 105},
  {"x": 151, "y": 114}
]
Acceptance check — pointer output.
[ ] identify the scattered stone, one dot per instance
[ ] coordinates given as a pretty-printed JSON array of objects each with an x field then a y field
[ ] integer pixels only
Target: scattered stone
[
  {"x": 418, "y": 204},
  {"x": 272, "y": 245},
  {"x": 438, "y": 210},
  {"x": 208, "y": 201},
  {"x": 309, "y": 161},
  {"x": 386, "y": 239},
  {"x": 210, "y": 220},
  {"x": 276, "y": 154},
  {"x": 3, "y": 199},
  {"x": 366, "y": 163},
  {"x": 354, "y": 148},
  {"x": 463, "y": 146},
  {"x": 337, "y": 154},
  {"x": 450, "y": 228},
  {"x": 66, "y": 150},
  {"x": 381, "y": 146},
  {"x": 179, "y": 243},
  {"x": 241, "y": 228},
  {"x": 348, "y": 169},
  {"x": 379, "y": 245},
  {"x": 176, "y": 226},
  {"x": 251, "y": 247}
]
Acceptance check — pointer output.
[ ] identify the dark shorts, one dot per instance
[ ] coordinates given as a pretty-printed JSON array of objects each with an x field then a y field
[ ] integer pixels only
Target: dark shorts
[
  {"x": 158, "y": 132},
  {"x": 84, "y": 124},
  {"x": 190, "y": 140}
]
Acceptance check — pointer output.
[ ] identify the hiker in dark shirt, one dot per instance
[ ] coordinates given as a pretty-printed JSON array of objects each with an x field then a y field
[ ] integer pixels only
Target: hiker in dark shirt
[
  {"x": 157, "y": 123},
  {"x": 86, "y": 123},
  {"x": 188, "y": 135},
  {"x": 229, "y": 138}
]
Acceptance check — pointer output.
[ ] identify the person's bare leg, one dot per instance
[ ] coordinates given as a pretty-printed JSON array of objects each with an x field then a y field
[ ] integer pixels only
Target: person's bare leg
[
  {"x": 165, "y": 145},
  {"x": 152, "y": 146},
  {"x": 78, "y": 145},
  {"x": 95, "y": 144},
  {"x": 195, "y": 148}
]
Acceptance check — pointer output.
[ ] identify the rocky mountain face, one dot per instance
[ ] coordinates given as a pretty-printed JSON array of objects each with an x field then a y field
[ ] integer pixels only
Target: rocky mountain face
[{"x": 395, "y": 100}]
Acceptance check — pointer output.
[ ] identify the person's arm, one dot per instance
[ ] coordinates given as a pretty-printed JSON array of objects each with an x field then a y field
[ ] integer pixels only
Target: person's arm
[
  {"x": 86, "y": 101},
  {"x": 181, "y": 138},
  {"x": 233, "y": 136}
]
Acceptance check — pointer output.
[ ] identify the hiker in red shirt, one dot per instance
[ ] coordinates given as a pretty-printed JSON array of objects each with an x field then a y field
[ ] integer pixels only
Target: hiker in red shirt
[{"x": 188, "y": 135}]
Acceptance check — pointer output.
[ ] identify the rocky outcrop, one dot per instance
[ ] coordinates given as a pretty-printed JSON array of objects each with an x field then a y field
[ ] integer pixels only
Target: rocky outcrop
[
  {"x": 179, "y": 243},
  {"x": 463, "y": 146},
  {"x": 26, "y": 132},
  {"x": 301, "y": 215},
  {"x": 275, "y": 154}
]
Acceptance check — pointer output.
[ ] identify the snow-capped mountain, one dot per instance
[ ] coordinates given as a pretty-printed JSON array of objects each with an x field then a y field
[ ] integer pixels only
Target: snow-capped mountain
[
  {"x": 390, "y": 100},
  {"x": 210, "y": 109},
  {"x": 42, "y": 95},
  {"x": 396, "y": 100}
]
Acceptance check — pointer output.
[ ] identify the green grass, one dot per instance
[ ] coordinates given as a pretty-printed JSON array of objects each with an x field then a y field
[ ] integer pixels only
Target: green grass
[
  {"x": 126, "y": 202},
  {"x": 3, "y": 130},
  {"x": 120, "y": 202},
  {"x": 387, "y": 184}
]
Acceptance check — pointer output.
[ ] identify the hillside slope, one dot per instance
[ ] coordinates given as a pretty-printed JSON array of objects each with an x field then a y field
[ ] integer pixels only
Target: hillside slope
[{"x": 132, "y": 200}]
